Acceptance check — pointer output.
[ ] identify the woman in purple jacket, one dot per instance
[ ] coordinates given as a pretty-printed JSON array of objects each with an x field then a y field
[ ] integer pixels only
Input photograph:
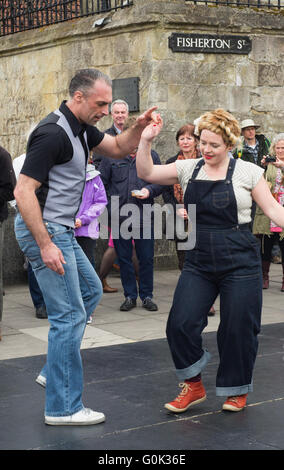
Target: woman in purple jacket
[{"x": 93, "y": 204}]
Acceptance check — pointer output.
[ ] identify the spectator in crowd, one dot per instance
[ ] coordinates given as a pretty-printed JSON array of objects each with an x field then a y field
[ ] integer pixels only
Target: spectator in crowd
[
  {"x": 254, "y": 146},
  {"x": 7, "y": 184},
  {"x": 35, "y": 292},
  {"x": 264, "y": 228},
  {"x": 93, "y": 204},
  {"x": 119, "y": 114},
  {"x": 252, "y": 149},
  {"x": 120, "y": 179}
]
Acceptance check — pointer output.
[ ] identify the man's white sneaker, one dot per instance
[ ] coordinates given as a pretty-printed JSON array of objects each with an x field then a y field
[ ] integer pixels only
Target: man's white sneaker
[
  {"x": 84, "y": 417},
  {"x": 41, "y": 380}
]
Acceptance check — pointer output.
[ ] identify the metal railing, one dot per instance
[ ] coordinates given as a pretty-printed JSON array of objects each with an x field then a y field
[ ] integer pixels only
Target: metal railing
[
  {"x": 242, "y": 3},
  {"x": 21, "y": 15}
]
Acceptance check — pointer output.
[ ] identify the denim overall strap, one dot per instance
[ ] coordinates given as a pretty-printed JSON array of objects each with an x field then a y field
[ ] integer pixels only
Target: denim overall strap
[
  {"x": 229, "y": 174},
  {"x": 197, "y": 168},
  {"x": 230, "y": 170},
  {"x": 214, "y": 199}
]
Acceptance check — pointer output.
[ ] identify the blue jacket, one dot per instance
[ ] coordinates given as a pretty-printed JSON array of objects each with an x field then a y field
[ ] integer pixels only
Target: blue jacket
[{"x": 120, "y": 178}]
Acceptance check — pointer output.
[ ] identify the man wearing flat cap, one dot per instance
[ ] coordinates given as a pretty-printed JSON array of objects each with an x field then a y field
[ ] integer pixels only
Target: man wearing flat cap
[{"x": 254, "y": 146}]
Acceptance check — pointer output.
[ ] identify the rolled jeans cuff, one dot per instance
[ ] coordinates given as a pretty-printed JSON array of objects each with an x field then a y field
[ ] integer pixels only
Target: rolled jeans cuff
[
  {"x": 195, "y": 368},
  {"x": 233, "y": 391}
]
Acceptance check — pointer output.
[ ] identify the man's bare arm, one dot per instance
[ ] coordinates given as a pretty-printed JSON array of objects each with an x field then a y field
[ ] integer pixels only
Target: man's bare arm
[
  {"x": 30, "y": 211},
  {"x": 124, "y": 143}
]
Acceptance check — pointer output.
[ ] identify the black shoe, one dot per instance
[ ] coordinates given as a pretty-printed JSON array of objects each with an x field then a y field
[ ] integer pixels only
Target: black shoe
[
  {"x": 149, "y": 304},
  {"x": 41, "y": 312},
  {"x": 128, "y": 304},
  {"x": 211, "y": 312}
]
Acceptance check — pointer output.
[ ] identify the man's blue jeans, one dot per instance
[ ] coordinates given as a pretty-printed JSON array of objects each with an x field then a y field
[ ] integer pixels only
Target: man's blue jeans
[
  {"x": 70, "y": 300},
  {"x": 35, "y": 291}
]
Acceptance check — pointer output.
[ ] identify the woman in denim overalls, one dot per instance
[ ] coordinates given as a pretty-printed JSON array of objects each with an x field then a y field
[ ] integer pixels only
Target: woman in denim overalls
[{"x": 225, "y": 261}]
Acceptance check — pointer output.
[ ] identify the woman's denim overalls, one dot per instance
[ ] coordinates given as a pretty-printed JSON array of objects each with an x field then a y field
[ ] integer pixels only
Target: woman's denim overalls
[{"x": 225, "y": 261}]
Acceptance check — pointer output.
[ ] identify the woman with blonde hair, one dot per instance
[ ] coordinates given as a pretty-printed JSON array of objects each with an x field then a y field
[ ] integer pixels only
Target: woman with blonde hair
[
  {"x": 265, "y": 229},
  {"x": 225, "y": 260}
]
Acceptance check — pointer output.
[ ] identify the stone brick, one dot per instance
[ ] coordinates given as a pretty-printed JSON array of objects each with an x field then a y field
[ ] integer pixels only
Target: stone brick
[{"x": 270, "y": 75}]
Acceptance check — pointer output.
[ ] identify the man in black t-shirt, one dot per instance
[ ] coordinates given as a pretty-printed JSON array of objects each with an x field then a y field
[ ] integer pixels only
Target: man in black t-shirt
[{"x": 48, "y": 195}]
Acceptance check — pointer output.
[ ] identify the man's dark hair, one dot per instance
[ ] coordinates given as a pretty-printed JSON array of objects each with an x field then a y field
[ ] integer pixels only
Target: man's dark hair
[{"x": 84, "y": 79}]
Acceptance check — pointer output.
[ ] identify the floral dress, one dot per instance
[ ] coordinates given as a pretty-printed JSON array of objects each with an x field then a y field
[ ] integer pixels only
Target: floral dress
[{"x": 278, "y": 193}]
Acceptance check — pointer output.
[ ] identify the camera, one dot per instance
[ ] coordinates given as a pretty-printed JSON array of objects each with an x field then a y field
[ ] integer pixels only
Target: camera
[{"x": 270, "y": 159}]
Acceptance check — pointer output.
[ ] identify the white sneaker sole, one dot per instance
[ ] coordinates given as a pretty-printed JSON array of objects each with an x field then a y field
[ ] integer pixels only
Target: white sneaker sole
[
  {"x": 232, "y": 408},
  {"x": 64, "y": 421},
  {"x": 181, "y": 410},
  {"x": 41, "y": 380}
]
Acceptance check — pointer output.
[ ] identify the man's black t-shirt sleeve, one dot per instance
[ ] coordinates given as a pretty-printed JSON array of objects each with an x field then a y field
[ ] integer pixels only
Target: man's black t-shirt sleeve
[
  {"x": 47, "y": 147},
  {"x": 94, "y": 137}
]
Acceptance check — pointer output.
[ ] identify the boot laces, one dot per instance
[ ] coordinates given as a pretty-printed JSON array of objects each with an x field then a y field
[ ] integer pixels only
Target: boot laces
[
  {"x": 236, "y": 398},
  {"x": 185, "y": 388},
  {"x": 233, "y": 399}
]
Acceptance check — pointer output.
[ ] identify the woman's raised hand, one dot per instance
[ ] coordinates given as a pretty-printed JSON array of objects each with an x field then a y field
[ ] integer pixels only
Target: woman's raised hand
[{"x": 154, "y": 128}]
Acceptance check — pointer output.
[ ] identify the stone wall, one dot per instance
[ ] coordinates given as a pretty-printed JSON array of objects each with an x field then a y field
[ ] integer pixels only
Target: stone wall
[{"x": 36, "y": 67}]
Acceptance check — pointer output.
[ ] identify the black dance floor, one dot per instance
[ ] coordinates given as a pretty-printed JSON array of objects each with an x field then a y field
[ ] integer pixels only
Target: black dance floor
[{"x": 130, "y": 383}]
